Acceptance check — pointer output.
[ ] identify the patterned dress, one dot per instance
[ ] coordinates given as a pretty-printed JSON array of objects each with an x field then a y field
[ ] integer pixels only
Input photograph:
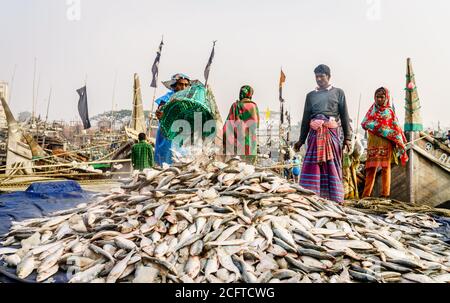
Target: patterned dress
[{"x": 239, "y": 131}]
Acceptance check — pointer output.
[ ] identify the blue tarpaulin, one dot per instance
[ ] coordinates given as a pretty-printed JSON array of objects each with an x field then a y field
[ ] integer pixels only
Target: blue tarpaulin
[
  {"x": 444, "y": 229},
  {"x": 39, "y": 200}
]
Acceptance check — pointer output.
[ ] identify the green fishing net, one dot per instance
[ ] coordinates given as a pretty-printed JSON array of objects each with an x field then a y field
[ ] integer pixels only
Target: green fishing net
[{"x": 186, "y": 105}]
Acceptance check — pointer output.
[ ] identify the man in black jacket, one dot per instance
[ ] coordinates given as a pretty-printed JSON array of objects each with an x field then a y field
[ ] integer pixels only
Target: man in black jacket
[{"x": 325, "y": 114}]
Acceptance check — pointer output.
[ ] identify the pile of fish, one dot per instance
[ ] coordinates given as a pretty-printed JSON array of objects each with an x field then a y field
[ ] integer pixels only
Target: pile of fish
[{"x": 208, "y": 221}]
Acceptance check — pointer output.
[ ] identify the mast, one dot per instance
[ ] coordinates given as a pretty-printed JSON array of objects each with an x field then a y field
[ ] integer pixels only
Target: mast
[
  {"x": 12, "y": 83},
  {"x": 112, "y": 105},
  {"x": 34, "y": 92},
  {"x": 137, "y": 118},
  {"x": 46, "y": 117}
]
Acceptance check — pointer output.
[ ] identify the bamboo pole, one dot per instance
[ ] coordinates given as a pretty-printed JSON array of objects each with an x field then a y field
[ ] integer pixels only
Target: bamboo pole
[
  {"x": 66, "y": 175},
  {"x": 71, "y": 164},
  {"x": 71, "y": 152}
]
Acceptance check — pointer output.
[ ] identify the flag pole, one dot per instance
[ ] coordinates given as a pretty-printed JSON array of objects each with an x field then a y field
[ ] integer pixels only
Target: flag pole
[
  {"x": 151, "y": 112},
  {"x": 84, "y": 132},
  {"x": 209, "y": 63},
  {"x": 280, "y": 128},
  {"x": 158, "y": 58}
]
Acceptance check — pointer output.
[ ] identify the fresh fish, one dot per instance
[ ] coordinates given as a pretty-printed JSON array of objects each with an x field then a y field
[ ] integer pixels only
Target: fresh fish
[
  {"x": 87, "y": 275},
  {"x": 26, "y": 266},
  {"x": 364, "y": 277},
  {"x": 212, "y": 265},
  {"x": 315, "y": 254},
  {"x": 196, "y": 248},
  {"x": 101, "y": 251},
  {"x": 418, "y": 278},
  {"x": 50, "y": 261},
  {"x": 8, "y": 250},
  {"x": 226, "y": 261},
  {"x": 124, "y": 243},
  {"x": 46, "y": 274},
  {"x": 192, "y": 268},
  {"x": 343, "y": 244},
  {"x": 201, "y": 220},
  {"x": 265, "y": 230},
  {"x": 12, "y": 260},
  {"x": 283, "y": 234},
  {"x": 119, "y": 268},
  {"x": 246, "y": 274},
  {"x": 228, "y": 232},
  {"x": 227, "y": 243}
]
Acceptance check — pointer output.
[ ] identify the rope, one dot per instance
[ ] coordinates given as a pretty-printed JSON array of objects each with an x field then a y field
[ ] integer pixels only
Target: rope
[
  {"x": 68, "y": 175},
  {"x": 70, "y": 152}
]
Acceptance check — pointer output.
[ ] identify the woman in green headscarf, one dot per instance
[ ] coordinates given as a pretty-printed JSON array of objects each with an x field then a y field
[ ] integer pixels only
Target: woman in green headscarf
[{"x": 239, "y": 131}]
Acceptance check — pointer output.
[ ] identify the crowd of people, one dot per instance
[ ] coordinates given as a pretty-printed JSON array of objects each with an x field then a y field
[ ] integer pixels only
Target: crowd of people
[{"x": 325, "y": 131}]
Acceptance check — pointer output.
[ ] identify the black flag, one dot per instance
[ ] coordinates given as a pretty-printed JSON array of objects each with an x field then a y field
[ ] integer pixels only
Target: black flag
[
  {"x": 208, "y": 66},
  {"x": 83, "y": 107},
  {"x": 155, "y": 67}
]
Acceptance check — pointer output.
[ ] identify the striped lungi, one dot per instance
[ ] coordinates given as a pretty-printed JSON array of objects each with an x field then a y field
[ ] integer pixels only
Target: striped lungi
[{"x": 323, "y": 176}]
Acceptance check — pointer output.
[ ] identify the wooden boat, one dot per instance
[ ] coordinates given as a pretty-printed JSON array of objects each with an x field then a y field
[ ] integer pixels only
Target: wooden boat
[
  {"x": 425, "y": 179},
  {"x": 27, "y": 162},
  {"x": 18, "y": 152}
]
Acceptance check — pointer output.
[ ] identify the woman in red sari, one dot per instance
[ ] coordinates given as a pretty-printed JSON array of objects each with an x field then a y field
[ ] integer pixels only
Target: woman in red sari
[{"x": 385, "y": 135}]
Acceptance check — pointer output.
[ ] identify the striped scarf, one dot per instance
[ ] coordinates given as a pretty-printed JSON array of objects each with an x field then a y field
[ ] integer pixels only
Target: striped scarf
[{"x": 323, "y": 139}]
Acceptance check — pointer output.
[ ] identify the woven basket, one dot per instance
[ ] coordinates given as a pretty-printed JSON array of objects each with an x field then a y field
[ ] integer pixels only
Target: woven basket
[{"x": 183, "y": 106}]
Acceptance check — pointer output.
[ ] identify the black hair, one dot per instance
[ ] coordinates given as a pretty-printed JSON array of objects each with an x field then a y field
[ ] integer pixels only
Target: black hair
[
  {"x": 142, "y": 136},
  {"x": 323, "y": 69}
]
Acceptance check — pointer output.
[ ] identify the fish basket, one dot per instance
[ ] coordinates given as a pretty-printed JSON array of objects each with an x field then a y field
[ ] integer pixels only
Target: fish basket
[{"x": 183, "y": 106}]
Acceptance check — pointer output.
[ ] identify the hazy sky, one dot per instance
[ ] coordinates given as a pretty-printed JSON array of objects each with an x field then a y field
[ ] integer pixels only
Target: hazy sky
[{"x": 365, "y": 48}]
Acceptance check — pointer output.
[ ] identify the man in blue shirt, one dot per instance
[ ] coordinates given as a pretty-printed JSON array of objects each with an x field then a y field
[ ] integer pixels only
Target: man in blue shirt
[
  {"x": 163, "y": 146},
  {"x": 296, "y": 169}
]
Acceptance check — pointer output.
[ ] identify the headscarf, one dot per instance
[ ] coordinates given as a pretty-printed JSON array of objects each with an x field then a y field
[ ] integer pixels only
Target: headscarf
[
  {"x": 381, "y": 121},
  {"x": 246, "y": 92},
  {"x": 170, "y": 84}
]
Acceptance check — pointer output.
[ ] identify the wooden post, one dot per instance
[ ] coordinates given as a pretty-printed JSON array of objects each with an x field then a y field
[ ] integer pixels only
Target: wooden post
[{"x": 410, "y": 169}]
